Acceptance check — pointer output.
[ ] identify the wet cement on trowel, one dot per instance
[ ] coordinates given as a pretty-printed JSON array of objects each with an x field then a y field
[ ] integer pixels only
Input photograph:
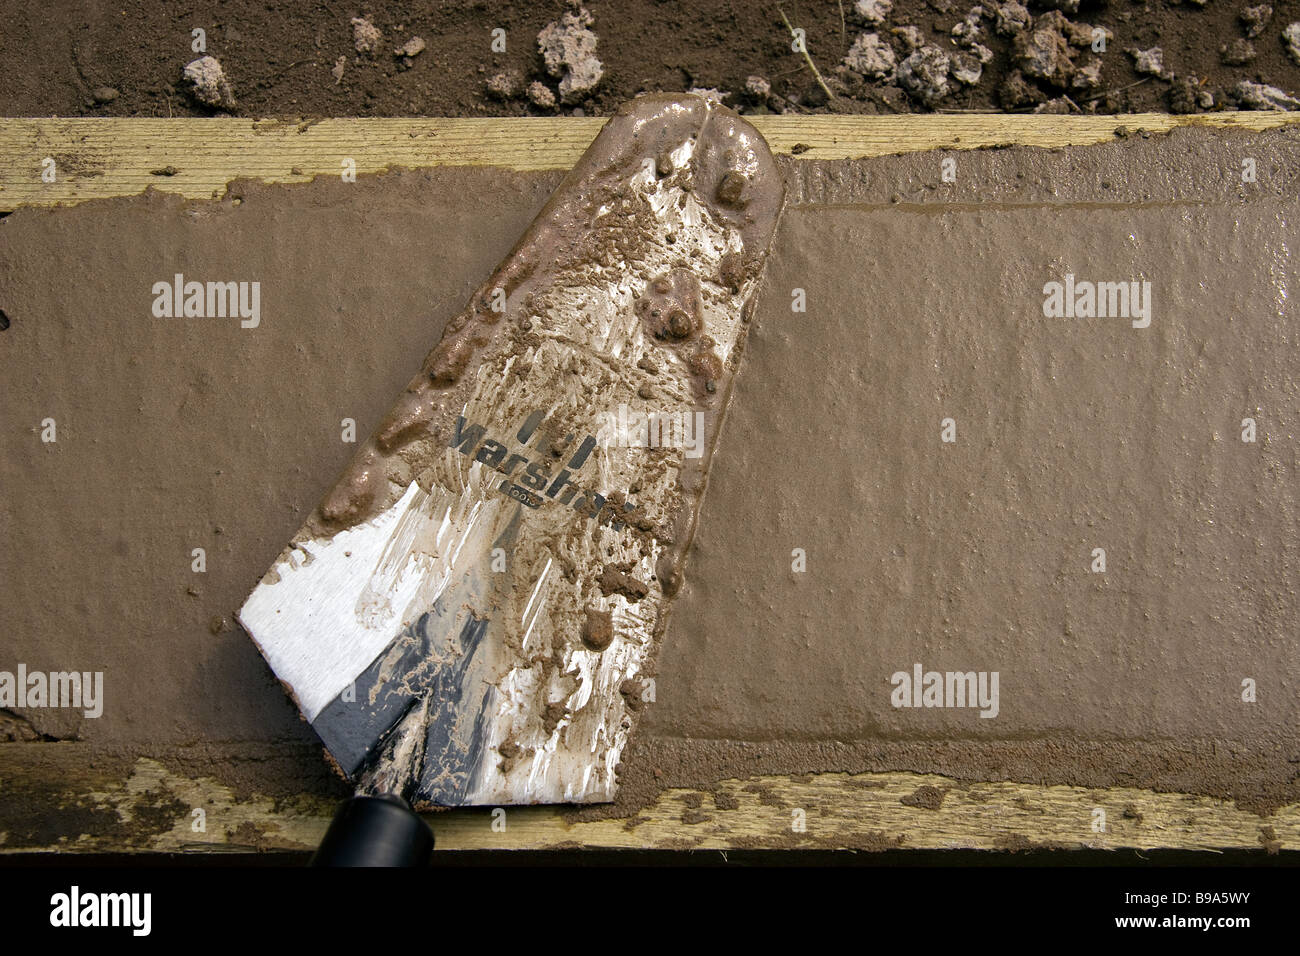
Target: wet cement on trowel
[{"x": 924, "y": 303}]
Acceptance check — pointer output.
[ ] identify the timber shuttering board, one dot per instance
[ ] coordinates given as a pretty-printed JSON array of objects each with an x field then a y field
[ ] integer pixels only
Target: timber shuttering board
[{"x": 102, "y": 158}]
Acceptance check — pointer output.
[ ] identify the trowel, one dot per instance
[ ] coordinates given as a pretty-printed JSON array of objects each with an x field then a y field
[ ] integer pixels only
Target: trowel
[{"x": 470, "y": 616}]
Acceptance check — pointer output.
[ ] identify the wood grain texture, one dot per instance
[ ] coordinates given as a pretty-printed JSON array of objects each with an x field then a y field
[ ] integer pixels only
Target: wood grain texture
[
  {"x": 63, "y": 796},
  {"x": 101, "y": 158}
]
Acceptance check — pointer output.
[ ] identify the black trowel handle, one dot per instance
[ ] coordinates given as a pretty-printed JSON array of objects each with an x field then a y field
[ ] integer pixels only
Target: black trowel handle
[{"x": 375, "y": 831}]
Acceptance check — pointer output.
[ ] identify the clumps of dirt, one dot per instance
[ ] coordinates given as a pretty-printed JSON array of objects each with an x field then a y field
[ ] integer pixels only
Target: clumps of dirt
[
  {"x": 568, "y": 48},
  {"x": 966, "y": 69},
  {"x": 1261, "y": 96},
  {"x": 1291, "y": 37},
  {"x": 873, "y": 12},
  {"x": 1044, "y": 53},
  {"x": 366, "y": 37},
  {"x": 1269, "y": 841},
  {"x": 598, "y": 629},
  {"x": 1150, "y": 62},
  {"x": 614, "y": 581},
  {"x": 1010, "y": 18},
  {"x": 412, "y": 47},
  {"x": 408, "y": 51},
  {"x": 670, "y": 306},
  {"x": 1055, "y": 63},
  {"x": 1186, "y": 95},
  {"x": 504, "y": 85},
  {"x": 555, "y": 712},
  {"x": 870, "y": 56},
  {"x": 207, "y": 83},
  {"x": 925, "y": 797},
  {"x": 540, "y": 95},
  {"x": 924, "y": 74},
  {"x": 1255, "y": 19},
  {"x": 873, "y": 55},
  {"x": 633, "y": 692},
  {"x": 568, "y": 54}
]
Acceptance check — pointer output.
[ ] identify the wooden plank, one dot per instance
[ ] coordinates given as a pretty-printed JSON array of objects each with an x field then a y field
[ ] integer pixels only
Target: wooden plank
[
  {"x": 64, "y": 797},
  {"x": 70, "y": 802},
  {"x": 197, "y": 158}
]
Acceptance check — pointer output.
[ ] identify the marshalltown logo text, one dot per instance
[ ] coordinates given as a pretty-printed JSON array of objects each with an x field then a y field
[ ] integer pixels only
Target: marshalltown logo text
[{"x": 527, "y": 468}]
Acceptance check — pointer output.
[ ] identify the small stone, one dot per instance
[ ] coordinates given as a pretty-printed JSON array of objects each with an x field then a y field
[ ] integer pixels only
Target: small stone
[
  {"x": 340, "y": 65},
  {"x": 966, "y": 69},
  {"x": 910, "y": 37},
  {"x": 981, "y": 53},
  {"x": 1291, "y": 37},
  {"x": 208, "y": 84},
  {"x": 568, "y": 49},
  {"x": 504, "y": 85},
  {"x": 873, "y": 11},
  {"x": 758, "y": 87},
  {"x": 1149, "y": 62},
  {"x": 104, "y": 94},
  {"x": 598, "y": 629},
  {"x": 412, "y": 47},
  {"x": 1237, "y": 53},
  {"x": 924, "y": 74},
  {"x": 969, "y": 30},
  {"x": 1255, "y": 19},
  {"x": 731, "y": 190},
  {"x": 365, "y": 35},
  {"x": 1010, "y": 18},
  {"x": 1060, "y": 106},
  {"x": 871, "y": 56},
  {"x": 1182, "y": 95},
  {"x": 1044, "y": 53},
  {"x": 541, "y": 96},
  {"x": 1088, "y": 76},
  {"x": 1260, "y": 96},
  {"x": 715, "y": 96},
  {"x": 1085, "y": 34}
]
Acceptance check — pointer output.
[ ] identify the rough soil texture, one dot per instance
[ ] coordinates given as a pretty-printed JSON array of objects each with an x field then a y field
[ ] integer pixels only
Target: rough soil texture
[
  {"x": 1072, "y": 434},
  {"x": 126, "y": 59}
]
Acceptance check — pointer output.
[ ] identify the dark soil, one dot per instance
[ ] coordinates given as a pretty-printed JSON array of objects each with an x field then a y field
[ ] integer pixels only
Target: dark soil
[{"x": 126, "y": 58}]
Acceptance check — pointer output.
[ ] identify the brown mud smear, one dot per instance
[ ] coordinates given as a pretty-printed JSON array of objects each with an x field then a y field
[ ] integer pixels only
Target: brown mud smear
[{"x": 924, "y": 302}]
